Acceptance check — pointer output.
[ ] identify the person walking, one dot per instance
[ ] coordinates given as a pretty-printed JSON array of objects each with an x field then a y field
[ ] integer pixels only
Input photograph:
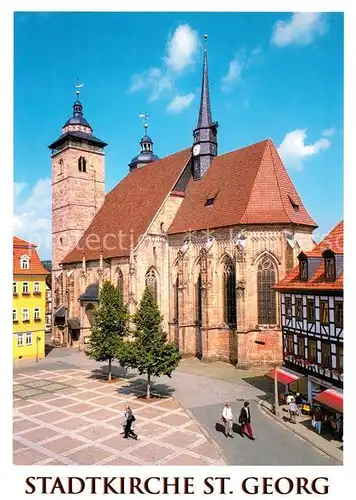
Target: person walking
[
  {"x": 318, "y": 417},
  {"x": 227, "y": 419},
  {"x": 245, "y": 420},
  {"x": 292, "y": 408},
  {"x": 129, "y": 419}
]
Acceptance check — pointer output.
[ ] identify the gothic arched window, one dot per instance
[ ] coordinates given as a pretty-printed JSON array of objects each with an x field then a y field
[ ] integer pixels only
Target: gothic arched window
[
  {"x": 176, "y": 299},
  {"x": 229, "y": 283},
  {"x": 120, "y": 282},
  {"x": 151, "y": 281},
  {"x": 82, "y": 164},
  {"x": 199, "y": 300},
  {"x": 266, "y": 278}
]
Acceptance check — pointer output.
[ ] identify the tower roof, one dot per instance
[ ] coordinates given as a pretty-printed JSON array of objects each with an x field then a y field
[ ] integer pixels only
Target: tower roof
[
  {"x": 77, "y": 118},
  {"x": 146, "y": 155},
  {"x": 204, "y": 119}
]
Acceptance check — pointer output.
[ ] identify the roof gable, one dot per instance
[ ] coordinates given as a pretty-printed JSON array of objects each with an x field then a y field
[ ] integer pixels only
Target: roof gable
[
  {"x": 251, "y": 187},
  {"x": 23, "y": 249}
]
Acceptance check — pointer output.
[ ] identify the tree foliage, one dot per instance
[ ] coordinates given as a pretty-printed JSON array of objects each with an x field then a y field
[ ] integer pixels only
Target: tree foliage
[
  {"x": 109, "y": 326},
  {"x": 148, "y": 351}
]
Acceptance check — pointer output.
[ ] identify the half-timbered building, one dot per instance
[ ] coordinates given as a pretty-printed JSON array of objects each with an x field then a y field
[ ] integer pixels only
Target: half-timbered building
[{"x": 311, "y": 300}]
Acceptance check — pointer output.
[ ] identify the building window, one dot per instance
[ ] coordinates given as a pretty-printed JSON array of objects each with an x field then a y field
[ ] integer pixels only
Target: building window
[
  {"x": 324, "y": 312},
  {"x": 25, "y": 288},
  {"x": 198, "y": 300},
  {"x": 339, "y": 359},
  {"x": 176, "y": 300},
  {"x": 300, "y": 347},
  {"x": 325, "y": 355},
  {"x": 151, "y": 282},
  {"x": 339, "y": 314},
  {"x": 25, "y": 315},
  {"x": 298, "y": 309},
  {"x": 229, "y": 282},
  {"x": 25, "y": 262},
  {"x": 330, "y": 268},
  {"x": 288, "y": 306},
  {"x": 303, "y": 270},
  {"x": 36, "y": 287},
  {"x": 266, "y": 278},
  {"x": 19, "y": 339},
  {"x": 29, "y": 338},
  {"x": 310, "y": 310},
  {"x": 14, "y": 288},
  {"x": 289, "y": 344},
  {"x": 36, "y": 313},
  {"x": 312, "y": 356},
  {"x": 82, "y": 164},
  {"x": 14, "y": 315},
  {"x": 120, "y": 282}
]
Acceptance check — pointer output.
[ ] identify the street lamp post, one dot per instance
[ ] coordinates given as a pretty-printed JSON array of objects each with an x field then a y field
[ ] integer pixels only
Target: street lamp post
[
  {"x": 276, "y": 403},
  {"x": 37, "y": 353}
]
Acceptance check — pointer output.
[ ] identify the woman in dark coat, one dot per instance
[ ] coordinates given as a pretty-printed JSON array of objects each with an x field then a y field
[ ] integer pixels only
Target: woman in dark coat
[{"x": 245, "y": 420}]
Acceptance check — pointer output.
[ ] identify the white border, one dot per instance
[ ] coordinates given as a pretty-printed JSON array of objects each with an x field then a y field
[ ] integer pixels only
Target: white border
[{"x": 12, "y": 477}]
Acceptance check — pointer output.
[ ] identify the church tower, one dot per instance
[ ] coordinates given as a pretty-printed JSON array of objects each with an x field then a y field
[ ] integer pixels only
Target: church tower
[
  {"x": 205, "y": 135},
  {"x": 77, "y": 182}
]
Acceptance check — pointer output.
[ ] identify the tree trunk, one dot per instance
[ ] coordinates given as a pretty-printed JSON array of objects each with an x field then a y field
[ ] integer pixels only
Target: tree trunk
[
  {"x": 109, "y": 368},
  {"x": 148, "y": 395}
]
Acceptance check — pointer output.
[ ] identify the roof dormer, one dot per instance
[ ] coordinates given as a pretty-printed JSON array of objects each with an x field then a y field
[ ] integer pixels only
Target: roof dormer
[
  {"x": 303, "y": 267},
  {"x": 25, "y": 262},
  {"x": 329, "y": 265}
]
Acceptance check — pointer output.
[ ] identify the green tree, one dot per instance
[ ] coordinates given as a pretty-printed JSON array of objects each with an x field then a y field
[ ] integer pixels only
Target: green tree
[
  {"x": 109, "y": 326},
  {"x": 148, "y": 351}
]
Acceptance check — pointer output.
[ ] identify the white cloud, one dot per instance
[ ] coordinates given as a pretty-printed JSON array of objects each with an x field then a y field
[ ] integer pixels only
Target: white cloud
[
  {"x": 152, "y": 79},
  {"x": 233, "y": 75},
  {"x": 301, "y": 29},
  {"x": 180, "y": 102},
  {"x": 237, "y": 65},
  {"x": 32, "y": 215},
  {"x": 180, "y": 53},
  {"x": 293, "y": 149},
  {"x": 329, "y": 132},
  {"x": 181, "y": 48}
]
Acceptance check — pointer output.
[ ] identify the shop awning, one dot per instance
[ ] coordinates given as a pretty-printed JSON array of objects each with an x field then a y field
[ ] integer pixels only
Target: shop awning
[
  {"x": 74, "y": 323},
  {"x": 285, "y": 376},
  {"x": 60, "y": 312},
  {"x": 331, "y": 398}
]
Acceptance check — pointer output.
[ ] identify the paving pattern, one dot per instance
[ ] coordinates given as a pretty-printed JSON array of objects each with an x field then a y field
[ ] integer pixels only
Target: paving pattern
[{"x": 67, "y": 417}]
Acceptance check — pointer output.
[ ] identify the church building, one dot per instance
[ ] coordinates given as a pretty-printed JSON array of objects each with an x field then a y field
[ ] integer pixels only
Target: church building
[{"x": 210, "y": 233}]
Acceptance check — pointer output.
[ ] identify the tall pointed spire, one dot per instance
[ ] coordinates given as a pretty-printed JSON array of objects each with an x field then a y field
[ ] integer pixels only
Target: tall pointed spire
[
  {"x": 205, "y": 135},
  {"x": 204, "y": 119}
]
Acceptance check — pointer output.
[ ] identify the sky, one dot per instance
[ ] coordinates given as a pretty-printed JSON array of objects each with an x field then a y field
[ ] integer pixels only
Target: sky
[{"x": 277, "y": 75}]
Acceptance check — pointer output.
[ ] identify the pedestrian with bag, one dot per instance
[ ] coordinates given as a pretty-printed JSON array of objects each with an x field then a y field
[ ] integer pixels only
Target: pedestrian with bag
[
  {"x": 129, "y": 419},
  {"x": 227, "y": 419},
  {"x": 292, "y": 408},
  {"x": 245, "y": 421}
]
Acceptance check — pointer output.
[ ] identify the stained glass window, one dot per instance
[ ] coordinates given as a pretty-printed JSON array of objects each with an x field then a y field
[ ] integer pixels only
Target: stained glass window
[
  {"x": 229, "y": 292},
  {"x": 266, "y": 278}
]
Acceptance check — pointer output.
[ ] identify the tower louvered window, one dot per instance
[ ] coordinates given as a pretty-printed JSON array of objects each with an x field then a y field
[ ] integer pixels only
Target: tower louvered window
[
  {"x": 229, "y": 283},
  {"x": 266, "y": 278},
  {"x": 82, "y": 164},
  {"x": 151, "y": 282}
]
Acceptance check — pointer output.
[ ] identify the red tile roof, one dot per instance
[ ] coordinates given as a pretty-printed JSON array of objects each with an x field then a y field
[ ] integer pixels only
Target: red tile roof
[
  {"x": 21, "y": 248},
  {"x": 251, "y": 186},
  {"x": 333, "y": 241},
  {"x": 129, "y": 209}
]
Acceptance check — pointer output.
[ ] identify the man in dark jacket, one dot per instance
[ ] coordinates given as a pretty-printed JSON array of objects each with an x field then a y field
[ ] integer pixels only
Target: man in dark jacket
[
  {"x": 129, "y": 419},
  {"x": 245, "y": 420}
]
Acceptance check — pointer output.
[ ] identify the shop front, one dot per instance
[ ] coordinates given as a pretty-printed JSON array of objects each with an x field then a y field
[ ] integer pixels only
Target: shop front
[
  {"x": 330, "y": 399},
  {"x": 289, "y": 381}
]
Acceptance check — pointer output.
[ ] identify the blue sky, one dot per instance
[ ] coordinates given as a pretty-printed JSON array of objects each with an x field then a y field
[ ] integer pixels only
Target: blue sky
[{"x": 277, "y": 75}]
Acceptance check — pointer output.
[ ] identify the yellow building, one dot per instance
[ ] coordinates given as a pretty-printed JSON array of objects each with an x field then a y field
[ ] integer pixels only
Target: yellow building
[{"x": 29, "y": 301}]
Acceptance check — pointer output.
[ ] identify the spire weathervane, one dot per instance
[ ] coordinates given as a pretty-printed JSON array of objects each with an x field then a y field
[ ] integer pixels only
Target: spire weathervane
[
  {"x": 144, "y": 117},
  {"x": 78, "y": 86}
]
